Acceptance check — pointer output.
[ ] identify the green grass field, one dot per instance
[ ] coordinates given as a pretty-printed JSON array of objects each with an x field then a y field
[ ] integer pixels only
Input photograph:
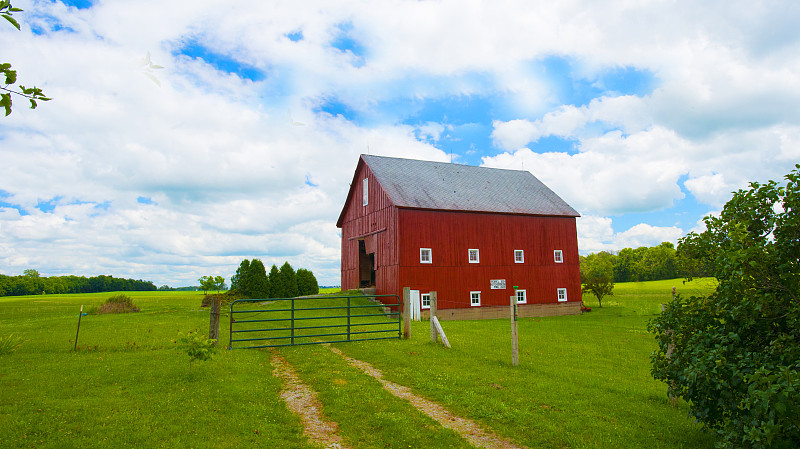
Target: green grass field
[{"x": 583, "y": 381}]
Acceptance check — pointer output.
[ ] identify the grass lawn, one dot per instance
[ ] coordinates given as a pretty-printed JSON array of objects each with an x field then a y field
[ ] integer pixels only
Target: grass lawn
[{"x": 583, "y": 381}]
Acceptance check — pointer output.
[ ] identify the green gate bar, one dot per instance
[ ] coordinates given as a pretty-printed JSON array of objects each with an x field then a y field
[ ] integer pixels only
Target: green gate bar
[{"x": 372, "y": 329}]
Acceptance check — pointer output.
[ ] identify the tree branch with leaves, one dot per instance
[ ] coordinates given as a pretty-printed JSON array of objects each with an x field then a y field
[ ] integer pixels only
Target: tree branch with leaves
[{"x": 33, "y": 94}]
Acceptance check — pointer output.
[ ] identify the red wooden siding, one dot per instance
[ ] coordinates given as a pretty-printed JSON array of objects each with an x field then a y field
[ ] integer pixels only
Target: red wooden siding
[
  {"x": 451, "y": 234},
  {"x": 377, "y": 224}
]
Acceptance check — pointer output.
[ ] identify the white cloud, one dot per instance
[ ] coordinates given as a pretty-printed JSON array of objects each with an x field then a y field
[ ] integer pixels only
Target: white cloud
[
  {"x": 612, "y": 173},
  {"x": 709, "y": 189},
  {"x": 626, "y": 112},
  {"x": 431, "y": 131},
  {"x": 596, "y": 234},
  {"x": 644, "y": 234}
]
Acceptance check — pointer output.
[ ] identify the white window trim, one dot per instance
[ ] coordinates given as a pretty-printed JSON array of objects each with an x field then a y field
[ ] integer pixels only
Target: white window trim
[
  {"x": 558, "y": 294},
  {"x": 522, "y": 253},
  {"x": 422, "y": 301},
  {"x": 524, "y": 297},
  {"x": 558, "y": 256},
  {"x": 477, "y": 255},
  {"x": 365, "y": 193},
  {"x": 430, "y": 255},
  {"x": 479, "y": 299}
]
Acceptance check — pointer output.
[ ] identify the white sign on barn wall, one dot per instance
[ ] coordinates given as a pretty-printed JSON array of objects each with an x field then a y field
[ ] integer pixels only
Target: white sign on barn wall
[{"x": 497, "y": 284}]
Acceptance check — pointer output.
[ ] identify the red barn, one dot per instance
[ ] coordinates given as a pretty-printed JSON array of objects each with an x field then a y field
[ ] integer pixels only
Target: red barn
[{"x": 469, "y": 233}]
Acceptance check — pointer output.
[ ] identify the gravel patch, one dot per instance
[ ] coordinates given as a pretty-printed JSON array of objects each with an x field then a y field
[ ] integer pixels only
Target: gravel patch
[{"x": 302, "y": 401}]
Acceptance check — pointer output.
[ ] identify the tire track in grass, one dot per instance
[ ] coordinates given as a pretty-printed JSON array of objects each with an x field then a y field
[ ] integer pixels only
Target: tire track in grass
[
  {"x": 302, "y": 401},
  {"x": 468, "y": 429}
]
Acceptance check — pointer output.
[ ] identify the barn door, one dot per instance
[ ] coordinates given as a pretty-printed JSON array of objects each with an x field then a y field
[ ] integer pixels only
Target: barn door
[{"x": 416, "y": 315}]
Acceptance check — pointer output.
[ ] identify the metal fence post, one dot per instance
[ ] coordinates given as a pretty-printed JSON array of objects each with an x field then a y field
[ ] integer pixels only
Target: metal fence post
[
  {"x": 514, "y": 335},
  {"x": 80, "y": 314},
  {"x": 230, "y": 330},
  {"x": 406, "y": 312},
  {"x": 434, "y": 313},
  {"x": 399, "y": 317}
]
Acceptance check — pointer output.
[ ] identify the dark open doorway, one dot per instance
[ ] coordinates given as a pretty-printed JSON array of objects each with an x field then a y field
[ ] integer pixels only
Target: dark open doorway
[{"x": 366, "y": 266}]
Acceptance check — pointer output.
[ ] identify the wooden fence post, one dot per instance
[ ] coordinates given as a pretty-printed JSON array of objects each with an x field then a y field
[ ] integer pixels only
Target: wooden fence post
[
  {"x": 213, "y": 329},
  {"x": 434, "y": 314},
  {"x": 406, "y": 312},
  {"x": 514, "y": 335},
  {"x": 440, "y": 331}
]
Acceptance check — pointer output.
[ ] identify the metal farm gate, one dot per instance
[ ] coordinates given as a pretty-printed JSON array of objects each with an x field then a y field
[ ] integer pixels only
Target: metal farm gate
[{"x": 313, "y": 320}]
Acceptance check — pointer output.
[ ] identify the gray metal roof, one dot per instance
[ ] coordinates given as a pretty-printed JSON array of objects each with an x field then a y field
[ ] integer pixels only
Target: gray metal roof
[{"x": 442, "y": 186}]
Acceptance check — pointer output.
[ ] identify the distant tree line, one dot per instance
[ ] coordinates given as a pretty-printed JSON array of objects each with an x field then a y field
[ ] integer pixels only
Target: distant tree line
[
  {"x": 31, "y": 283},
  {"x": 251, "y": 280},
  {"x": 644, "y": 263},
  {"x": 167, "y": 288}
]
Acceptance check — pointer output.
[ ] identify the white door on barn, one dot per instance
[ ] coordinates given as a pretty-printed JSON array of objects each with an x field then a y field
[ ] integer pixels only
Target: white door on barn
[{"x": 416, "y": 315}]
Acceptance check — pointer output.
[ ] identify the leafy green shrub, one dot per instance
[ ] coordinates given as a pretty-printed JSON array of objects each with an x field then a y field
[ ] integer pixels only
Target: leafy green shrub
[
  {"x": 117, "y": 304},
  {"x": 209, "y": 299},
  {"x": 9, "y": 344},
  {"x": 224, "y": 298},
  {"x": 735, "y": 355},
  {"x": 197, "y": 347}
]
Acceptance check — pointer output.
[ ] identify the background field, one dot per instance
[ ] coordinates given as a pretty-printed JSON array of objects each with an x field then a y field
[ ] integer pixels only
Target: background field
[{"x": 583, "y": 381}]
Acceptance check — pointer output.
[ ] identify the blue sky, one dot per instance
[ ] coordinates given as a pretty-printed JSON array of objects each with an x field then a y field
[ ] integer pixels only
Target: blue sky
[{"x": 184, "y": 137}]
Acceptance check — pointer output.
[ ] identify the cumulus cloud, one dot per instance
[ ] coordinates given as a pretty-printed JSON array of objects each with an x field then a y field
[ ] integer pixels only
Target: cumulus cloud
[
  {"x": 612, "y": 173},
  {"x": 626, "y": 112},
  {"x": 644, "y": 234},
  {"x": 596, "y": 234}
]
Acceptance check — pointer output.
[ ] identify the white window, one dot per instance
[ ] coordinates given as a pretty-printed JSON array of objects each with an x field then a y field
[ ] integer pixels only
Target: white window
[
  {"x": 426, "y": 300},
  {"x": 366, "y": 191},
  {"x": 475, "y": 298},
  {"x": 519, "y": 256},
  {"x": 474, "y": 257},
  {"x": 558, "y": 256},
  {"x": 522, "y": 298},
  {"x": 425, "y": 255},
  {"x": 562, "y": 294}
]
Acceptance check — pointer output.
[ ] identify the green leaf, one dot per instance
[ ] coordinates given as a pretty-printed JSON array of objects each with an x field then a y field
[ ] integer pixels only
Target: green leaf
[
  {"x": 11, "y": 19},
  {"x": 11, "y": 76},
  {"x": 33, "y": 103},
  {"x": 5, "y": 102}
]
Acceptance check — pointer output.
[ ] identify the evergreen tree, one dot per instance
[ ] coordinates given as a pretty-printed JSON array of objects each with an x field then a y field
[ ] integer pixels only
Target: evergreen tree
[
  {"x": 289, "y": 278},
  {"x": 257, "y": 282},
  {"x": 237, "y": 280},
  {"x": 306, "y": 282},
  {"x": 276, "y": 282}
]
